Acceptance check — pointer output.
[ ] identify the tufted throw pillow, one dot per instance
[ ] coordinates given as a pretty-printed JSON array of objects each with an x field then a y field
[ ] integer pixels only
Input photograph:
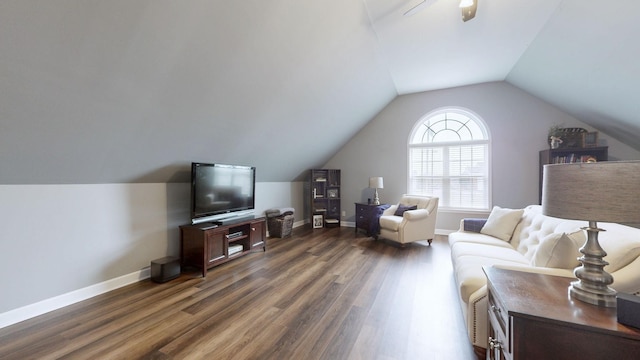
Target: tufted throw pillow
[
  {"x": 502, "y": 222},
  {"x": 402, "y": 208},
  {"x": 559, "y": 251}
]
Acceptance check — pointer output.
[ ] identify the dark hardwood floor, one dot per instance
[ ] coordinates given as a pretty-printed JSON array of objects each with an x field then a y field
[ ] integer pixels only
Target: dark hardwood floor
[{"x": 320, "y": 294}]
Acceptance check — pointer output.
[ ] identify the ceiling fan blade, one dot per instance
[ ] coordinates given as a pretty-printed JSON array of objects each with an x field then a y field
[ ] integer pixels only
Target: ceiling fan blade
[
  {"x": 469, "y": 12},
  {"x": 417, "y": 8}
]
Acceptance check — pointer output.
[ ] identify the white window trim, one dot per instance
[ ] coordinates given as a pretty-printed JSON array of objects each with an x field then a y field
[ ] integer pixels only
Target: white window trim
[{"x": 487, "y": 133}]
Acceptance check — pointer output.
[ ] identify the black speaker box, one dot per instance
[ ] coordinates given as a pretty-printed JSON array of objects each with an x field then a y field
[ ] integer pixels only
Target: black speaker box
[
  {"x": 628, "y": 309},
  {"x": 165, "y": 269}
]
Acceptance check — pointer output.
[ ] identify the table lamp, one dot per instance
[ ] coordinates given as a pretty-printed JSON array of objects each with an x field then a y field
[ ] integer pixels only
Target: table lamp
[
  {"x": 376, "y": 183},
  {"x": 607, "y": 191}
]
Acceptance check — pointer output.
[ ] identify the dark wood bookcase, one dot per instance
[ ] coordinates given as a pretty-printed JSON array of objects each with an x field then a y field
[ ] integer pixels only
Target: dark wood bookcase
[
  {"x": 570, "y": 155},
  {"x": 322, "y": 196}
]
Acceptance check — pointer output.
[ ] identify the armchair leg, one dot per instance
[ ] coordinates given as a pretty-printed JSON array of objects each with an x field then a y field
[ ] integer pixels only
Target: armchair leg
[{"x": 429, "y": 241}]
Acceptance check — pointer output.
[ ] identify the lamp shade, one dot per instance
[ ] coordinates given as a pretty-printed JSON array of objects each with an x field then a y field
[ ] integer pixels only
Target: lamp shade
[
  {"x": 376, "y": 182},
  {"x": 607, "y": 191}
]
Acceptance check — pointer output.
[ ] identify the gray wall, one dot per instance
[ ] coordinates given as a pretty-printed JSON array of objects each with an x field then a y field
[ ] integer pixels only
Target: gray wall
[
  {"x": 59, "y": 239},
  {"x": 518, "y": 125}
]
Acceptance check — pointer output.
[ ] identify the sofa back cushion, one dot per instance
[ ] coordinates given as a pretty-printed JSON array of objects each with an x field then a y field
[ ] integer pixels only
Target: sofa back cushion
[
  {"x": 620, "y": 242},
  {"x": 534, "y": 227}
]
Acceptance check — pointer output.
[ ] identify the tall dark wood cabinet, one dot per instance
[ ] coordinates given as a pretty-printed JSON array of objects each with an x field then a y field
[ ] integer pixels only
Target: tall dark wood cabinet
[
  {"x": 322, "y": 198},
  {"x": 570, "y": 155}
]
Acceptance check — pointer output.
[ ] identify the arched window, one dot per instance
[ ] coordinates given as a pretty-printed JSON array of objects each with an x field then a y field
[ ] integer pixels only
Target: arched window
[{"x": 449, "y": 158}]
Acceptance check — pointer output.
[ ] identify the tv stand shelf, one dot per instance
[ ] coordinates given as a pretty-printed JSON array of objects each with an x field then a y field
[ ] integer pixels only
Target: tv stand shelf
[{"x": 204, "y": 246}]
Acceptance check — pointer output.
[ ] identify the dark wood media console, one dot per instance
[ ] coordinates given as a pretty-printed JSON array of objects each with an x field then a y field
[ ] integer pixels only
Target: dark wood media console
[{"x": 207, "y": 245}]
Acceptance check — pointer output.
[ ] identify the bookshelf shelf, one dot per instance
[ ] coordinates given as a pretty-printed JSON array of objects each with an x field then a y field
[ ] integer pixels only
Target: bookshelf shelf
[
  {"x": 323, "y": 196},
  {"x": 570, "y": 155}
]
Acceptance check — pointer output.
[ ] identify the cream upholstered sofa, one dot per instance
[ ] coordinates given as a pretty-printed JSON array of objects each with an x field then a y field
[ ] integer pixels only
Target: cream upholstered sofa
[
  {"x": 526, "y": 240},
  {"x": 412, "y": 219}
]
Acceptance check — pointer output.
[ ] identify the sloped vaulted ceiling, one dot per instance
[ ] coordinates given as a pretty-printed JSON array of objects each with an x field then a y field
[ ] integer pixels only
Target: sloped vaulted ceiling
[
  {"x": 578, "y": 55},
  {"x": 134, "y": 90},
  {"x": 586, "y": 61}
]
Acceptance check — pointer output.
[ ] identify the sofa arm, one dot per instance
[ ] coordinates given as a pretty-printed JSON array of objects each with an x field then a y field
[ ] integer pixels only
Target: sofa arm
[{"x": 477, "y": 317}]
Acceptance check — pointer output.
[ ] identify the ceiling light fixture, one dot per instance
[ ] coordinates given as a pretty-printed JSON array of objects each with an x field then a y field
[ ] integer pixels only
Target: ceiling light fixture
[{"x": 468, "y": 8}]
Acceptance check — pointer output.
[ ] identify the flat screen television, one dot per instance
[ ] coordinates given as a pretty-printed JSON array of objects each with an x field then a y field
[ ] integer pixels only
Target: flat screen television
[{"x": 221, "y": 191}]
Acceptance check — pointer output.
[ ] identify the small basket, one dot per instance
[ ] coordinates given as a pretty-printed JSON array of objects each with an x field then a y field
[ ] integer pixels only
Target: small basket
[{"x": 280, "y": 222}]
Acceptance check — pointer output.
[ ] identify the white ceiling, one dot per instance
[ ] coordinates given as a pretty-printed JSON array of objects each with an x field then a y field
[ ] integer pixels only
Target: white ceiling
[
  {"x": 581, "y": 56},
  {"x": 435, "y": 49},
  {"x": 134, "y": 90}
]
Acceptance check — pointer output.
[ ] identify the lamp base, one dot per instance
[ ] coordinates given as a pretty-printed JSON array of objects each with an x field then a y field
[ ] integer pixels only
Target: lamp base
[
  {"x": 593, "y": 282},
  {"x": 605, "y": 296},
  {"x": 376, "y": 199}
]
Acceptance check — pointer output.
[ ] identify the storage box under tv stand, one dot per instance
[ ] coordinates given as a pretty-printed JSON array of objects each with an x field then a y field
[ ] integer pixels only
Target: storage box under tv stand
[{"x": 206, "y": 245}]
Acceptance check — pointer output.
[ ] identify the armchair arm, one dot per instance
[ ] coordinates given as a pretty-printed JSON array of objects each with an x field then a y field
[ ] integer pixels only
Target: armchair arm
[
  {"x": 417, "y": 225},
  {"x": 418, "y": 214}
]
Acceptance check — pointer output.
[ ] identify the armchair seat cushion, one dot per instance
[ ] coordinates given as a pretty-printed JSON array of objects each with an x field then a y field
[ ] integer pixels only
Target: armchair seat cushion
[{"x": 390, "y": 222}]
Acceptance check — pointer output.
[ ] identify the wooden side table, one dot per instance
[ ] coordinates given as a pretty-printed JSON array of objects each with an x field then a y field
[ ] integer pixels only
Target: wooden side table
[
  {"x": 367, "y": 216},
  {"x": 532, "y": 317}
]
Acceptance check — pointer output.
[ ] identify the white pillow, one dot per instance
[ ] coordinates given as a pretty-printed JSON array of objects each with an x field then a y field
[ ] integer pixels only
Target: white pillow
[
  {"x": 559, "y": 251},
  {"x": 502, "y": 222}
]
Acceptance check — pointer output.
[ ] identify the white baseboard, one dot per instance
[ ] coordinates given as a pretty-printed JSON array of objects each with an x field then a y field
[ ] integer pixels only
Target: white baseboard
[
  {"x": 27, "y": 312},
  {"x": 42, "y": 307},
  {"x": 444, "y": 231}
]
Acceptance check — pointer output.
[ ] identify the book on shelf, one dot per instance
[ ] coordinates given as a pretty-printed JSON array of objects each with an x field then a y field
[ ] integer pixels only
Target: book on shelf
[
  {"x": 331, "y": 221},
  {"x": 573, "y": 158}
]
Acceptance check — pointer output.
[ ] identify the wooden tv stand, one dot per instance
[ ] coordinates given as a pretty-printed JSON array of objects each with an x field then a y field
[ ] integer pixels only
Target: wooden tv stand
[{"x": 207, "y": 245}]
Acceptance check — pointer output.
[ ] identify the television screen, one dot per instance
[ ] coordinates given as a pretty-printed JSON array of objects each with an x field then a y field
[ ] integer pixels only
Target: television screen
[{"x": 218, "y": 189}]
